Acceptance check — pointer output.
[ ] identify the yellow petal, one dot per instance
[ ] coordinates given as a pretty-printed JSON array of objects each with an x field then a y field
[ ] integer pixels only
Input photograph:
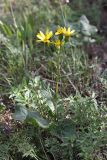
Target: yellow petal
[
  {"x": 64, "y": 29},
  {"x": 56, "y": 33},
  {"x": 49, "y": 35},
  {"x": 42, "y": 35},
  {"x": 39, "y": 37},
  {"x": 59, "y": 31},
  {"x": 68, "y": 29}
]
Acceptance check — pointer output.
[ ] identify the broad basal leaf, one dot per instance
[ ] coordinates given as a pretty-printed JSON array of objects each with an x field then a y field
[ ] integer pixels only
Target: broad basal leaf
[
  {"x": 21, "y": 113},
  {"x": 35, "y": 117}
]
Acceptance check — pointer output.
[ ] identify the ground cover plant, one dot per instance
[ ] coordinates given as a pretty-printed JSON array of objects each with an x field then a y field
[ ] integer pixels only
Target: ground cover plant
[{"x": 53, "y": 93}]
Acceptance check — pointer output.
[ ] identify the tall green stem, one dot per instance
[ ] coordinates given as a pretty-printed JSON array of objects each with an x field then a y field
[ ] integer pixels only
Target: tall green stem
[{"x": 58, "y": 72}]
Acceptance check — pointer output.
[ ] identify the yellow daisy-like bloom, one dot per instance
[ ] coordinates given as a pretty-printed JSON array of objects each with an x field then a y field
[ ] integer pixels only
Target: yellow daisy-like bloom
[
  {"x": 64, "y": 31},
  {"x": 68, "y": 32},
  {"x": 58, "y": 43},
  {"x": 59, "y": 31},
  {"x": 45, "y": 38}
]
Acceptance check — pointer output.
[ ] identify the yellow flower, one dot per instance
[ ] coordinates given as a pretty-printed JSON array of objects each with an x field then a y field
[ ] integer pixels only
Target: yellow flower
[
  {"x": 68, "y": 32},
  {"x": 58, "y": 43},
  {"x": 64, "y": 31},
  {"x": 59, "y": 31},
  {"x": 45, "y": 38}
]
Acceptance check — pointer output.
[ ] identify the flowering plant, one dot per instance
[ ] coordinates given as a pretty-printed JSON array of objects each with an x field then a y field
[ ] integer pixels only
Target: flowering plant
[
  {"x": 58, "y": 39},
  {"x": 63, "y": 34}
]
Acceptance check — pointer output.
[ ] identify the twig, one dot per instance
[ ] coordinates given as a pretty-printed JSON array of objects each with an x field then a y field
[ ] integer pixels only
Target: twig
[
  {"x": 52, "y": 81},
  {"x": 70, "y": 81}
]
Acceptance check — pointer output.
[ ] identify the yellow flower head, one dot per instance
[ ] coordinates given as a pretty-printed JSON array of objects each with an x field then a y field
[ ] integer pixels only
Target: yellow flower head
[
  {"x": 45, "y": 38},
  {"x": 68, "y": 32},
  {"x": 58, "y": 43},
  {"x": 65, "y": 31},
  {"x": 59, "y": 31}
]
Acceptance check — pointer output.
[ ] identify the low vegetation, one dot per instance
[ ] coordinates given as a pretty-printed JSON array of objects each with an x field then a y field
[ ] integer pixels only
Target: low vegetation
[{"x": 53, "y": 102}]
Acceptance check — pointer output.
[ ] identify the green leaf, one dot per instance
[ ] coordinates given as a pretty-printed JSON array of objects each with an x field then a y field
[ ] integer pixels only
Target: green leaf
[
  {"x": 65, "y": 130},
  {"x": 35, "y": 117},
  {"x": 46, "y": 94},
  {"x": 51, "y": 105},
  {"x": 21, "y": 113}
]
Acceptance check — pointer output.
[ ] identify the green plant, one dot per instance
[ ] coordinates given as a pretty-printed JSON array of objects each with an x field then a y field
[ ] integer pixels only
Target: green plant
[
  {"x": 81, "y": 132},
  {"x": 31, "y": 100},
  {"x": 18, "y": 145},
  {"x": 64, "y": 35},
  {"x": 79, "y": 127},
  {"x": 71, "y": 125}
]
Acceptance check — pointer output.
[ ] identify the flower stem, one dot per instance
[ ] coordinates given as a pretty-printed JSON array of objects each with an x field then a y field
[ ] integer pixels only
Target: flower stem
[{"x": 58, "y": 72}]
